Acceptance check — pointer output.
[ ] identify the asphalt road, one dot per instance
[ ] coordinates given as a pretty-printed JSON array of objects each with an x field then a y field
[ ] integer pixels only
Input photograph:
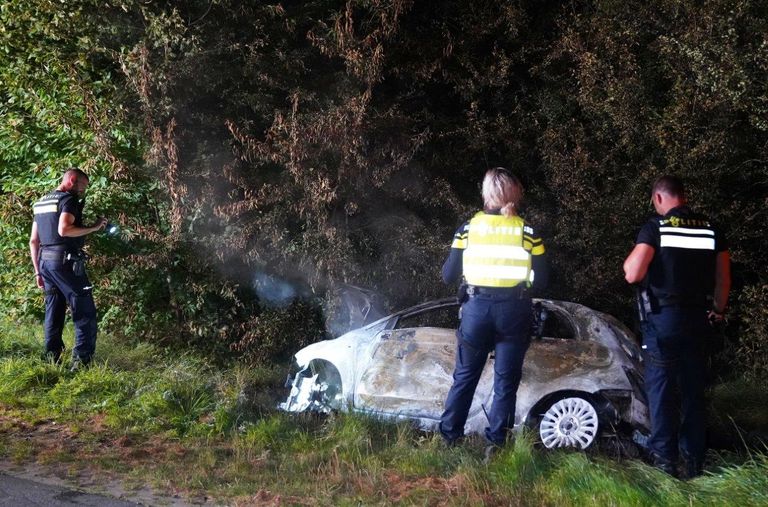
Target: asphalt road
[{"x": 15, "y": 492}]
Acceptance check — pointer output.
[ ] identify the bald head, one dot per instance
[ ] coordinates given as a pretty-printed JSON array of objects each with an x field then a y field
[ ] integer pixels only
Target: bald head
[{"x": 73, "y": 173}]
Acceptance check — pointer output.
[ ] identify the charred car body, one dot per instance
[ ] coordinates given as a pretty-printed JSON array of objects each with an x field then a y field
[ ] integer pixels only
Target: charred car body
[{"x": 581, "y": 377}]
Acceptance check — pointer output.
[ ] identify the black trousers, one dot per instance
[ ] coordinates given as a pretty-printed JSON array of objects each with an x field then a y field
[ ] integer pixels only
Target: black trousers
[{"x": 64, "y": 288}]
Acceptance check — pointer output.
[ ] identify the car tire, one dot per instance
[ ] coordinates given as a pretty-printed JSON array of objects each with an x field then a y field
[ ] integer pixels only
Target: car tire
[
  {"x": 570, "y": 422},
  {"x": 327, "y": 391}
]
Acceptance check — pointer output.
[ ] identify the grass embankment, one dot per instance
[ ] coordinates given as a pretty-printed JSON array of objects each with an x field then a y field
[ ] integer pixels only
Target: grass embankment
[{"x": 145, "y": 416}]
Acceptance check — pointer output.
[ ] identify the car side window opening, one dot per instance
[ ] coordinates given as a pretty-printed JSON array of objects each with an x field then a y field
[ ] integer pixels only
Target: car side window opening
[
  {"x": 444, "y": 317},
  {"x": 557, "y": 325}
]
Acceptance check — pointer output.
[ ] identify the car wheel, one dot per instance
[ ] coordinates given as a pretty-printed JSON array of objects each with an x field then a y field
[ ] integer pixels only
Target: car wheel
[
  {"x": 326, "y": 394},
  {"x": 569, "y": 422},
  {"x": 316, "y": 388}
]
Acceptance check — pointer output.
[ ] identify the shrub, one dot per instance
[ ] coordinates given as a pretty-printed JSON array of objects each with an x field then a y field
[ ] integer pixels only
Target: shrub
[
  {"x": 275, "y": 333},
  {"x": 361, "y": 146},
  {"x": 751, "y": 350}
]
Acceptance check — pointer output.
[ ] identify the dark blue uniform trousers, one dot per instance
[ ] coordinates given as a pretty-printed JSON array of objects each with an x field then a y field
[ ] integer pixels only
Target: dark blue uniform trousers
[
  {"x": 62, "y": 288},
  {"x": 497, "y": 322},
  {"x": 675, "y": 378}
]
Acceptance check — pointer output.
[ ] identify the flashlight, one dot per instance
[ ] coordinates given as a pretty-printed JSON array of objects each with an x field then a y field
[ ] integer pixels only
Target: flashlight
[{"x": 111, "y": 229}]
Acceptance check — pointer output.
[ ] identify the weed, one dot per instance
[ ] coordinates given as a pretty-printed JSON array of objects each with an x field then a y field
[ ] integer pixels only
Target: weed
[
  {"x": 19, "y": 375},
  {"x": 137, "y": 357},
  {"x": 517, "y": 467},
  {"x": 19, "y": 347},
  {"x": 95, "y": 389},
  {"x": 22, "y": 450},
  {"x": 745, "y": 484},
  {"x": 737, "y": 414},
  {"x": 186, "y": 404},
  {"x": 272, "y": 433}
]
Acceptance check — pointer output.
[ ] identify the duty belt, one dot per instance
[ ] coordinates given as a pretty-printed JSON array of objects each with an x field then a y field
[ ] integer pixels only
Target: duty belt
[
  {"x": 683, "y": 301},
  {"x": 52, "y": 255},
  {"x": 61, "y": 255},
  {"x": 516, "y": 291}
]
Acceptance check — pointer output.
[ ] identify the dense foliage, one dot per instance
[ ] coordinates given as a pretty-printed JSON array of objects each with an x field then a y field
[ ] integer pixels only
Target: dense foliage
[{"x": 327, "y": 141}]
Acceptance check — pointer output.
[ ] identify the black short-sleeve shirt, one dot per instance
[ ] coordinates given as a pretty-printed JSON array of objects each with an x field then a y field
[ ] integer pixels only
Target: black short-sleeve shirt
[
  {"x": 47, "y": 212},
  {"x": 685, "y": 246}
]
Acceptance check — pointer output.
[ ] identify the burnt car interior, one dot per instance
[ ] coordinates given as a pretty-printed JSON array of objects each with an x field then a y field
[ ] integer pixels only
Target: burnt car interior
[
  {"x": 444, "y": 316},
  {"x": 557, "y": 325}
]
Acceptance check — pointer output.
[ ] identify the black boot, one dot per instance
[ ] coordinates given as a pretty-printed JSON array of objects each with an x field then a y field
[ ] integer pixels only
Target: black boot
[
  {"x": 52, "y": 357},
  {"x": 694, "y": 467},
  {"x": 665, "y": 465},
  {"x": 79, "y": 364}
]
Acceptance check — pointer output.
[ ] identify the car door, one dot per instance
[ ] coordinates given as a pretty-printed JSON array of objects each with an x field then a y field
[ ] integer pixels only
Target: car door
[{"x": 411, "y": 370}]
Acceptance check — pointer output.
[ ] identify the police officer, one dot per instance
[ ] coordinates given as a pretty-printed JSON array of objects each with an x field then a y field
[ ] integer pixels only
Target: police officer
[
  {"x": 498, "y": 253},
  {"x": 55, "y": 244},
  {"x": 682, "y": 265}
]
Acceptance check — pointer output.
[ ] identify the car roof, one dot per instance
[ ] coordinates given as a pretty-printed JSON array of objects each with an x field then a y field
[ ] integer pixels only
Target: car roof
[{"x": 437, "y": 303}]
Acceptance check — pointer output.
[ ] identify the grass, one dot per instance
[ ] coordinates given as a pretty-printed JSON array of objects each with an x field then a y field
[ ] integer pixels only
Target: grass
[{"x": 179, "y": 424}]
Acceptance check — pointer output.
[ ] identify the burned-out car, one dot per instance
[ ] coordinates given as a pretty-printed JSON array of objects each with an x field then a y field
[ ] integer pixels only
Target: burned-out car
[{"x": 581, "y": 376}]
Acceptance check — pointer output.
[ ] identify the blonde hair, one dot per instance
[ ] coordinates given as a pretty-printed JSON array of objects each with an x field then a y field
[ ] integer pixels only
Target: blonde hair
[{"x": 502, "y": 190}]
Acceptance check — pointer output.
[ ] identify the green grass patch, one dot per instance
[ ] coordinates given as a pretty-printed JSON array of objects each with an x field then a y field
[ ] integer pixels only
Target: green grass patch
[
  {"x": 92, "y": 390},
  {"x": 577, "y": 480},
  {"x": 22, "y": 379},
  {"x": 517, "y": 468},
  {"x": 739, "y": 408},
  {"x": 737, "y": 485},
  {"x": 22, "y": 339},
  {"x": 274, "y": 433},
  {"x": 177, "y": 422}
]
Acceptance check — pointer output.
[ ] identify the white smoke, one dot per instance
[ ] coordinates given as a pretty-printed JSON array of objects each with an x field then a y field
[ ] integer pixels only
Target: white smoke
[{"x": 273, "y": 291}]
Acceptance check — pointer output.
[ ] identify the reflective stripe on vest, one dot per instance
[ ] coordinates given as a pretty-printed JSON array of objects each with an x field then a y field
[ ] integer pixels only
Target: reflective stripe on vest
[
  {"x": 48, "y": 204},
  {"x": 495, "y": 256},
  {"x": 691, "y": 239}
]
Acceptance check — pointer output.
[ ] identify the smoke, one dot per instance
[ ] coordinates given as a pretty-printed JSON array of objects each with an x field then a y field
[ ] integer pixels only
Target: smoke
[
  {"x": 355, "y": 308},
  {"x": 273, "y": 291}
]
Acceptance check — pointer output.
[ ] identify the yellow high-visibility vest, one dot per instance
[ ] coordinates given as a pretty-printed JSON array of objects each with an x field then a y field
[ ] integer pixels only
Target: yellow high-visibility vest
[{"x": 494, "y": 254}]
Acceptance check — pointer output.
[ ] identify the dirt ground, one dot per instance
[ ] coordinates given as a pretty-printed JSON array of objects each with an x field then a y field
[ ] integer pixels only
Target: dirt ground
[{"x": 51, "y": 453}]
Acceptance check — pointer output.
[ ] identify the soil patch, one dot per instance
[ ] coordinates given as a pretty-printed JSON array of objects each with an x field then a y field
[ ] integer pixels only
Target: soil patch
[{"x": 52, "y": 453}]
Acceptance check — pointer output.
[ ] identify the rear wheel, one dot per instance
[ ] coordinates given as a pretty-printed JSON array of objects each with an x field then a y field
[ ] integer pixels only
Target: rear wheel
[{"x": 569, "y": 422}]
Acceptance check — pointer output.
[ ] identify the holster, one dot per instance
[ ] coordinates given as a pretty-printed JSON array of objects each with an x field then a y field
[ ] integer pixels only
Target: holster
[
  {"x": 538, "y": 321},
  {"x": 79, "y": 260},
  {"x": 643, "y": 305},
  {"x": 462, "y": 295}
]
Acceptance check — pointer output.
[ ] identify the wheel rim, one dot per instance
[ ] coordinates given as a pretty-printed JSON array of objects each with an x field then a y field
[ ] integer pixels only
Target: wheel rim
[{"x": 571, "y": 422}]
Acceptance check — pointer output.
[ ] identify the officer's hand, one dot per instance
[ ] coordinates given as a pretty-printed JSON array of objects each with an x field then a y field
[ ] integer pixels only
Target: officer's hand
[{"x": 715, "y": 317}]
